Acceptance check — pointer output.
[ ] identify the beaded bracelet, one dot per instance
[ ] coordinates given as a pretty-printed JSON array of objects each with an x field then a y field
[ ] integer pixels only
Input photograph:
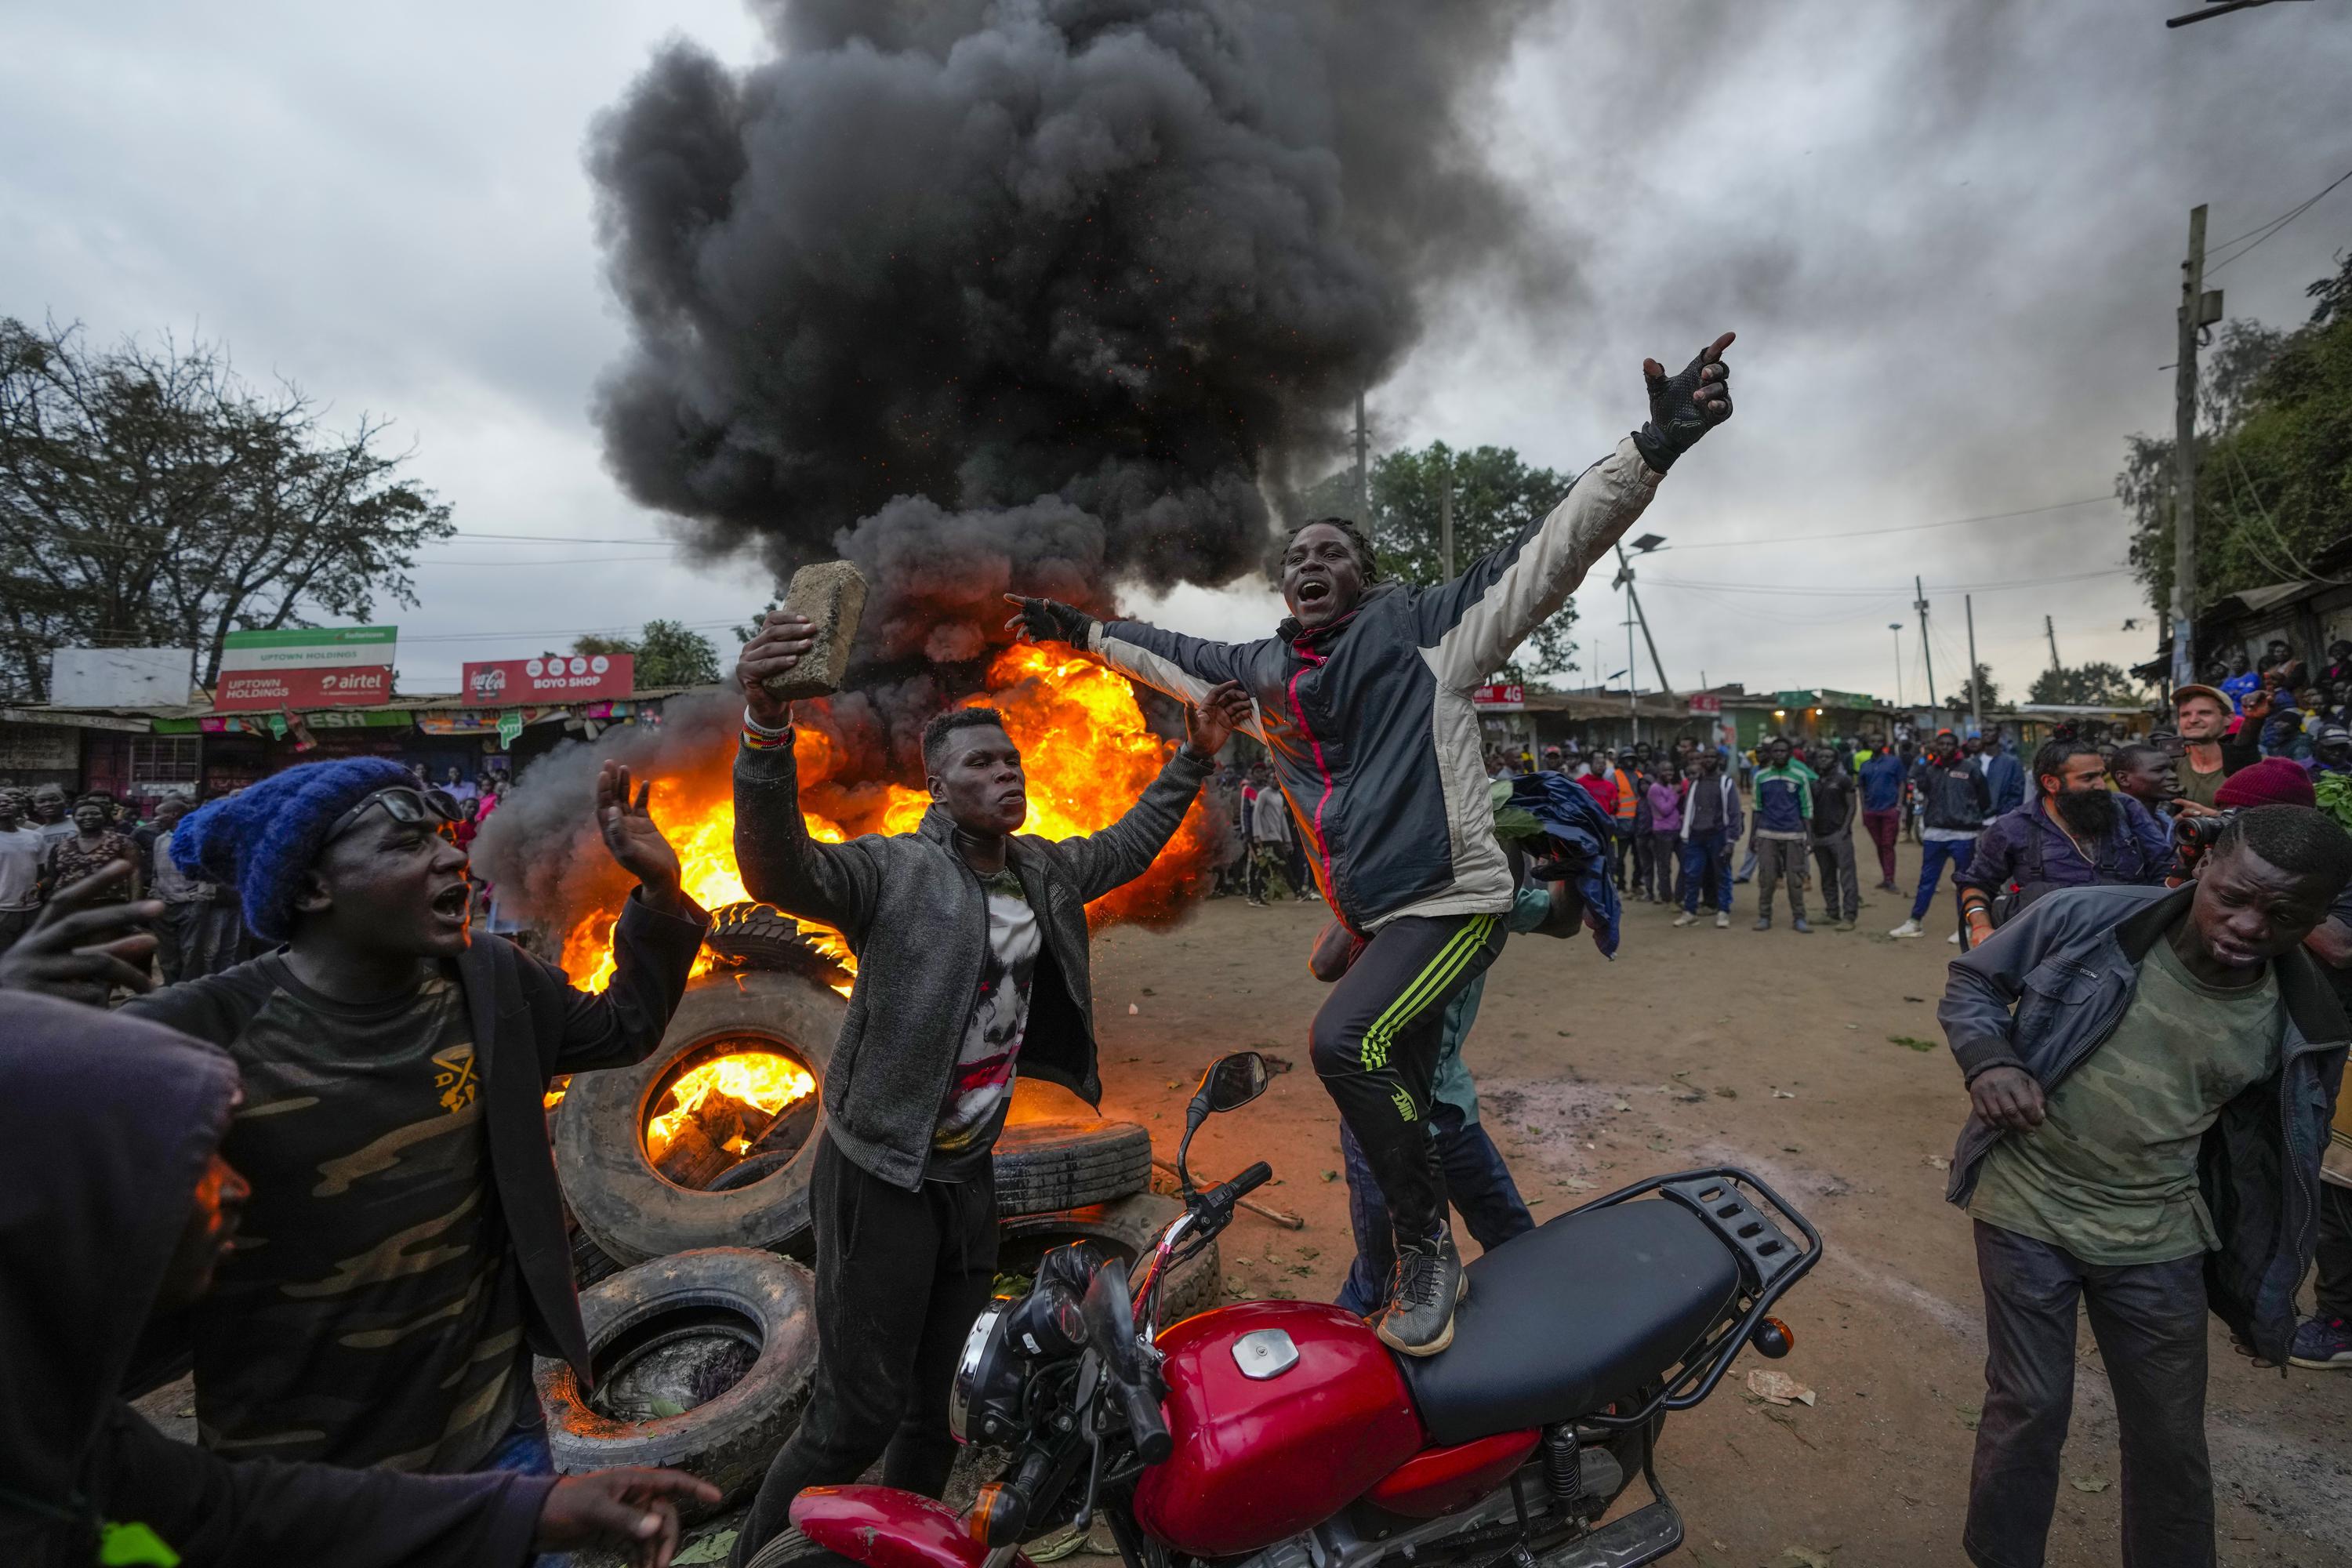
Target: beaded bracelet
[{"x": 757, "y": 737}]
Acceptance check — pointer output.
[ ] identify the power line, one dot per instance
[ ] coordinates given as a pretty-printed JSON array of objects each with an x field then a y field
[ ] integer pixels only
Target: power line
[
  {"x": 1902, "y": 528},
  {"x": 1786, "y": 591},
  {"x": 2264, "y": 231}
]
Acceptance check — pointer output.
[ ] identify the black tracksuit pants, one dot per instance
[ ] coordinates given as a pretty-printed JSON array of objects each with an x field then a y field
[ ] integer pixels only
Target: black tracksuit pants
[
  {"x": 1375, "y": 1046},
  {"x": 900, "y": 1277}
]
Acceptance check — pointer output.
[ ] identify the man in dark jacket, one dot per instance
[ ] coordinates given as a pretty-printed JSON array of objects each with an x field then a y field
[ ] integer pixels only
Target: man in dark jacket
[
  {"x": 394, "y": 1072},
  {"x": 125, "y": 1207},
  {"x": 1956, "y": 805},
  {"x": 971, "y": 965},
  {"x": 1832, "y": 827},
  {"x": 1363, "y": 698},
  {"x": 2075, "y": 832},
  {"x": 2150, "y": 1074},
  {"x": 2004, "y": 774}
]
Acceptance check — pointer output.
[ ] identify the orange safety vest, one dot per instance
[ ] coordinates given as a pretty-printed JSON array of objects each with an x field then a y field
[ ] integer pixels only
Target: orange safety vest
[{"x": 1626, "y": 805}]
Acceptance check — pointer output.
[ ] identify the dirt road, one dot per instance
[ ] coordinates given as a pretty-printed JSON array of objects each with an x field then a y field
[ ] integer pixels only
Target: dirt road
[{"x": 1772, "y": 1050}]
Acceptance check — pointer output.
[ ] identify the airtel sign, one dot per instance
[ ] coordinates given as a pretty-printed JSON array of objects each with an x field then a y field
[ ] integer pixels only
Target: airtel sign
[{"x": 559, "y": 678}]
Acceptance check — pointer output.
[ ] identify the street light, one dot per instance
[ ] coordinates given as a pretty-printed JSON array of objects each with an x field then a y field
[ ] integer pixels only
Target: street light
[{"x": 1896, "y": 628}]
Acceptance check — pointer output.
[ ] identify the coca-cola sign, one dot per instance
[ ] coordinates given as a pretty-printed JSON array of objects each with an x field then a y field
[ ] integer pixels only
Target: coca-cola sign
[{"x": 555, "y": 677}]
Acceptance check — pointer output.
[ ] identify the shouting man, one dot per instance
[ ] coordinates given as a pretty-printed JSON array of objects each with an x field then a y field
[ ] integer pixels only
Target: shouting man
[
  {"x": 2150, "y": 1073},
  {"x": 972, "y": 966},
  {"x": 1363, "y": 699},
  {"x": 394, "y": 1071}
]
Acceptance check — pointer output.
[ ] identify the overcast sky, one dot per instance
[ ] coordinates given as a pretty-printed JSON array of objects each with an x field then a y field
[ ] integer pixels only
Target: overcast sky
[{"x": 1947, "y": 235}]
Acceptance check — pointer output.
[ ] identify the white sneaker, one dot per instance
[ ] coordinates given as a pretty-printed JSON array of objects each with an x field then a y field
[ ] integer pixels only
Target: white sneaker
[
  {"x": 1686, "y": 919},
  {"x": 1722, "y": 920},
  {"x": 1908, "y": 928},
  {"x": 1954, "y": 938}
]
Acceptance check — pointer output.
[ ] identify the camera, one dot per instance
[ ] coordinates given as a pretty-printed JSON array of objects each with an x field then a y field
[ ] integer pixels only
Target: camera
[{"x": 2193, "y": 835}]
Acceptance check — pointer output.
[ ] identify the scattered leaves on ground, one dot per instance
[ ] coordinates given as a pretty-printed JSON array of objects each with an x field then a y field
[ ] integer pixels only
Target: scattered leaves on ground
[
  {"x": 1330, "y": 1175},
  {"x": 1808, "y": 1556},
  {"x": 1620, "y": 1105},
  {"x": 2089, "y": 1483},
  {"x": 1913, "y": 1041},
  {"x": 1723, "y": 1093},
  {"x": 1782, "y": 1094},
  {"x": 1915, "y": 998},
  {"x": 1659, "y": 1145},
  {"x": 1777, "y": 1387},
  {"x": 1576, "y": 1184},
  {"x": 1969, "y": 1416},
  {"x": 1936, "y": 1162},
  {"x": 712, "y": 1548}
]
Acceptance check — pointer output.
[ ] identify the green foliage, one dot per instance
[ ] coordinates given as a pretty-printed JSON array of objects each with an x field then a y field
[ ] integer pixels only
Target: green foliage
[
  {"x": 668, "y": 654},
  {"x": 148, "y": 497},
  {"x": 1497, "y": 496},
  {"x": 2274, "y": 465},
  {"x": 1983, "y": 684},
  {"x": 2334, "y": 792},
  {"x": 2085, "y": 685}
]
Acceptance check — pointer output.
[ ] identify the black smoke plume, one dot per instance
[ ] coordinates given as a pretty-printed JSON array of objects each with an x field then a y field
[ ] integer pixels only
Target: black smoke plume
[{"x": 1044, "y": 295}]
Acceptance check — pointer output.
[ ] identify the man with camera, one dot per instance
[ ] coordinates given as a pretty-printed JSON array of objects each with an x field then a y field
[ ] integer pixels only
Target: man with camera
[{"x": 2073, "y": 833}]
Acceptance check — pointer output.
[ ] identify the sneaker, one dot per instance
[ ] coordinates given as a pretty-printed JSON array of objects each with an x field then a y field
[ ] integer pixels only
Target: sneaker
[
  {"x": 1846, "y": 925},
  {"x": 2323, "y": 1344},
  {"x": 1954, "y": 938},
  {"x": 1419, "y": 1318},
  {"x": 1889, "y": 888},
  {"x": 1257, "y": 903},
  {"x": 1908, "y": 928},
  {"x": 1722, "y": 920},
  {"x": 1798, "y": 924},
  {"x": 1763, "y": 922},
  {"x": 1685, "y": 919}
]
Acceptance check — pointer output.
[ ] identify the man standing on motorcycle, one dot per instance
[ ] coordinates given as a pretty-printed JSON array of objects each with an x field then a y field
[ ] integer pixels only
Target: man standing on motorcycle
[
  {"x": 1363, "y": 699},
  {"x": 971, "y": 962}
]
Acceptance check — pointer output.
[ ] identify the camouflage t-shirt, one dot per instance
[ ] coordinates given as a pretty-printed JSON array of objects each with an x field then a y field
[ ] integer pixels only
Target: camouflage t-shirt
[
  {"x": 371, "y": 1313},
  {"x": 2111, "y": 1174}
]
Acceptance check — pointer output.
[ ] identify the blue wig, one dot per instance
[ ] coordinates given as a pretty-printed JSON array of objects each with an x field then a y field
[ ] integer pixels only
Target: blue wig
[{"x": 261, "y": 839}]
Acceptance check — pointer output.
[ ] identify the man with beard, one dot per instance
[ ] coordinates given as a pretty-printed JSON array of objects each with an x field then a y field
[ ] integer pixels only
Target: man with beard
[
  {"x": 2211, "y": 754},
  {"x": 1363, "y": 698},
  {"x": 2073, "y": 833}
]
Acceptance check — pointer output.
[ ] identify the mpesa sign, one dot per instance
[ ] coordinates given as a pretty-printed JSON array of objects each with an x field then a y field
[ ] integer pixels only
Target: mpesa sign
[{"x": 510, "y": 682}]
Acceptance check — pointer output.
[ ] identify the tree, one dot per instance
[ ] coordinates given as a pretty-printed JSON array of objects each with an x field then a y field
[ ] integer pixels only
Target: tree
[
  {"x": 668, "y": 654},
  {"x": 2274, "y": 464},
  {"x": 1495, "y": 495},
  {"x": 148, "y": 497},
  {"x": 2085, "y": 686},
  {"x": 1983, "y": 685}
]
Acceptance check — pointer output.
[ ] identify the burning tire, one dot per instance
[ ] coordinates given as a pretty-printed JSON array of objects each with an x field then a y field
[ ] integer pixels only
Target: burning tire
[
  {"x": 1044, "y": 1166},
  {"x": 1129, "y": 1227},
  {"x": 761, "y": 936},
  {"x": 710, "y": 1140},
  {"x": 702, "y": 1364}
]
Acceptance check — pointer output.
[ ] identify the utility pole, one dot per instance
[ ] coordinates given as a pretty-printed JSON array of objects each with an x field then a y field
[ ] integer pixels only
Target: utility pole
[
  {"x": 1926, "y": 652},
  {"x": 1363, "y": 483},
  {"x": 1625, "y": 576},
  {"x": 2199, "y": 308},
  {"x": 1896, "y": 628},
  {"x": 1633, "y": 676},
  {"x": 2051, "y": 632},
  {"x": 1976, "y": 684},
  {"x": 1445, "y": 526}
]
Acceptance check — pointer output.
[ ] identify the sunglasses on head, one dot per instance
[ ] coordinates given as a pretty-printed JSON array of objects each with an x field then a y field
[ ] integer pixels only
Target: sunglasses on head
[{"x": 406, "y": 805}]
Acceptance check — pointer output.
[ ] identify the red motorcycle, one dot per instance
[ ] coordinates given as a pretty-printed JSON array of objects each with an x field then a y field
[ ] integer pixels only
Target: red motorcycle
[{"x": 1283, "y": 1435}]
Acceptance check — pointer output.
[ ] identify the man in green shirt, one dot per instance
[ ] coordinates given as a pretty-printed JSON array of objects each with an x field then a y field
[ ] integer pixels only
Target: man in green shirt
[{"x": 2150, "y": 1074}]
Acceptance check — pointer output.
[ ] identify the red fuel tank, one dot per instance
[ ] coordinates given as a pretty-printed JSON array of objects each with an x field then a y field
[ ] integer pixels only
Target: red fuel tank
[{"x": 1283, "y": 1414}]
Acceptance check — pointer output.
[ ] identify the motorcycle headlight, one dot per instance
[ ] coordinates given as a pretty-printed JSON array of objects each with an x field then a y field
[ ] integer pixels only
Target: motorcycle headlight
[{"x": 983, "y": 1365}]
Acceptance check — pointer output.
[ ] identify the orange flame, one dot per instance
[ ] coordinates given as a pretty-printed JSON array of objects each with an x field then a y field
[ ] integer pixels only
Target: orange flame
[
  {"x": 762, "y": 1079},
  {"x": 1084, "y": 746}
]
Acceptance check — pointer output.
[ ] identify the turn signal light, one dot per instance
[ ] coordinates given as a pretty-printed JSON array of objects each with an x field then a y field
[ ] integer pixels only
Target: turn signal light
[
  {"x": 1773, "y": 1338},
  {"x": 988, "y": 1501}
]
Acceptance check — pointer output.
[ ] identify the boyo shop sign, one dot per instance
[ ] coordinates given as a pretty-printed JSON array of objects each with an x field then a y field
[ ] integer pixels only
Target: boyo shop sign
[
  {"x": 312, "y": 667},
  {"x": 507, "y": 682}
]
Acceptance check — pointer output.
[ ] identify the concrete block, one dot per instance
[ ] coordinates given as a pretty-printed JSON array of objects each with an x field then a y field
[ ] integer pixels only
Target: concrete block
[{"x": 832, "y": 594}]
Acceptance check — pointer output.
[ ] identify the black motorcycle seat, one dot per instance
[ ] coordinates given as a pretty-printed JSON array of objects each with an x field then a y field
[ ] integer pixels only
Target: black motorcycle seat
[{"x": 1581, "y": 1311}]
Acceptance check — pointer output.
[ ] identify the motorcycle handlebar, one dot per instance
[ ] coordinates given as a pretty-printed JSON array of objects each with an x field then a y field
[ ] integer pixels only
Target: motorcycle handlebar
[
  {"x": 1153, "y": 1443},
  {"x": 1241, "y": 1186}
]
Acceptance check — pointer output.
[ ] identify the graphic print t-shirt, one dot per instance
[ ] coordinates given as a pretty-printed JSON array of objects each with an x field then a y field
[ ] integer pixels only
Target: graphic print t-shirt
[
  {"x": 372, "y": 1274},
  {"x": 981, "y": 1088}
]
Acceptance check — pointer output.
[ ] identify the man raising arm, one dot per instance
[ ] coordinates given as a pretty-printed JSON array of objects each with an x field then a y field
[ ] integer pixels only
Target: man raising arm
[{"x": 1363, "y": 698}]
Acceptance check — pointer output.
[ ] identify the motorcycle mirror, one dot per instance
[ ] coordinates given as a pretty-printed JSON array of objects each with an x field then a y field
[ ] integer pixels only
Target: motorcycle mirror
[{"x": 1230, "y": 1083}]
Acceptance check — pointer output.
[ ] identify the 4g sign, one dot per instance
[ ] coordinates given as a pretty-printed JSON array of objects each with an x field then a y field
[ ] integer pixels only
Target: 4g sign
[{"x": 558, "y": 678}]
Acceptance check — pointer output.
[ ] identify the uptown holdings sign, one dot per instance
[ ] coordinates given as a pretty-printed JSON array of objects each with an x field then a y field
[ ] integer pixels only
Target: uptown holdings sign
[
  {"x": 510, "y": 682},
  {"x": 316, "y": 666}
]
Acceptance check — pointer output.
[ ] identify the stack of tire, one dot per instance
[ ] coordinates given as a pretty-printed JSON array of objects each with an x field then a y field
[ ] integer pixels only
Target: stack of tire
[{"x": 699, "y": 1304}]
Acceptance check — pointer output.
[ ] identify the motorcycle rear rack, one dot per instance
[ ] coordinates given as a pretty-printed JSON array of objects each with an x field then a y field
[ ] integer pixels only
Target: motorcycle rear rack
[{"x": 1769, "y": 1264}]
